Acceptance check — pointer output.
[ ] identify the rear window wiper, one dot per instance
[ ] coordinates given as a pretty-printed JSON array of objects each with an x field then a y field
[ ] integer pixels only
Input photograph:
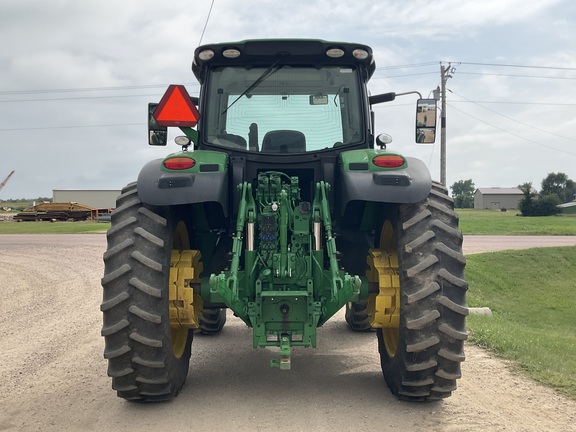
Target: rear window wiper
[{"x": 272, "y": 69}]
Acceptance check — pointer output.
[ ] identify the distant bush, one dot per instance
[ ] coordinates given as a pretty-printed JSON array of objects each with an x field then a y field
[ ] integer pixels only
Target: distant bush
[{"x": 546, "y": 205}]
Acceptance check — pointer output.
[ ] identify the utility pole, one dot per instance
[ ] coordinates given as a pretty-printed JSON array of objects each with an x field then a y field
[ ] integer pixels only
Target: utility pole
[
  {"x": 443, "y": 125},
  {"x": 444, "y": 75}
]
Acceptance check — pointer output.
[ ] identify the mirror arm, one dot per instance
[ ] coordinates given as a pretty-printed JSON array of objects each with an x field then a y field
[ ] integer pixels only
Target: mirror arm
[
  {"x": 410, "y": 92},
  {"x": 389, "y": 97},
  {"x": 385, "y": 97}
]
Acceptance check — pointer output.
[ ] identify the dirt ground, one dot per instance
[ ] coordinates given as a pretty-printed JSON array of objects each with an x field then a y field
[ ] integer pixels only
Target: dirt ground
[{"x": 53, "y": 374}]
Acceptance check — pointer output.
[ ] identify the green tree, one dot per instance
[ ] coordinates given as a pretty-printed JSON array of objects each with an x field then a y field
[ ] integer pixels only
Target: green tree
[
  {"x": 560, "y": 185},
  {"x": 463, "y": 193},
  {"x": 545, "y": 205},
  {"x": 527, "y": 203}
]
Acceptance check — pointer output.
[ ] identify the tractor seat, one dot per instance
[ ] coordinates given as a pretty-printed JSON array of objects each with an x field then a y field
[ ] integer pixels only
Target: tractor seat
[
  {"x": 284, "y": 141},
  {"x": 231, "y": 140}
]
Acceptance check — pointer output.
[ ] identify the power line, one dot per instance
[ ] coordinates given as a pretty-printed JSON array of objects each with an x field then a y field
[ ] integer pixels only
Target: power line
[
  {"x": 516, "y": 103},
  {"x": 152, "y": 86},
  {"x": 414, "y": 65},
  {"x": 513, "y": 119},
  {"x": 70, "y": 127},
  {"x": 513, "y": 65},
  {"x": 206, "y": 23},
  {"x": 511, "y": 133},
  {"x": 407, "y": 66},
  {"x": 87, "y": 89},
  {"x": 404, "y": 76},
  {"x": 80, "y": 98},
  {"x": 516, "y": 76}
]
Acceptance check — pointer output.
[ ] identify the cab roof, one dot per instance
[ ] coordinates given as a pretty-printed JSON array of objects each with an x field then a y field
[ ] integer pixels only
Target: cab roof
[{"x": 297, "y": 52}]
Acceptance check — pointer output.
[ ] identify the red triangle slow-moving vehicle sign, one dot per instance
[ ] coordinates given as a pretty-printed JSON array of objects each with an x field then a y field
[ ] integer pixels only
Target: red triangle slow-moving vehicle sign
[{"x": 176, "y": 108}]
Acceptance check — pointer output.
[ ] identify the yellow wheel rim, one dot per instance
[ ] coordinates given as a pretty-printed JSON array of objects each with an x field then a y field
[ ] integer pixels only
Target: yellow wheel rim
[
  {"x": 179, "y": 336},
  {"x": 391, "y": 335}
]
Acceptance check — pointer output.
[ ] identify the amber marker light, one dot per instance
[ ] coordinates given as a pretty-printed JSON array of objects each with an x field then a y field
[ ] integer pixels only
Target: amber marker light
[
  {"x": 179, "y": 163},
  {"x": 388, "y": 161}
]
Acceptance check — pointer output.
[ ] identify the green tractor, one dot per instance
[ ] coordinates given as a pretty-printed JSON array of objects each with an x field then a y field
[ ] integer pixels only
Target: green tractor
[{"x": 283, "y": 206}]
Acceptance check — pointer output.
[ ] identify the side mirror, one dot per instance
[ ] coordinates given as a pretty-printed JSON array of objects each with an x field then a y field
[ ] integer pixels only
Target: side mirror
[
  {"x": 426, "y": 121},
  {"x": 157, "y": 135}
]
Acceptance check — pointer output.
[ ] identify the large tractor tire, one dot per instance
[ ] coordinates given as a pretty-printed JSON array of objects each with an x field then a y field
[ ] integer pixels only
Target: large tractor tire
[
  {"x": 357, "y": 316},
  {"x": 212, "y": 320},
  {"x": 147, "y": 359},
  {"x": 421, "y": 358}
]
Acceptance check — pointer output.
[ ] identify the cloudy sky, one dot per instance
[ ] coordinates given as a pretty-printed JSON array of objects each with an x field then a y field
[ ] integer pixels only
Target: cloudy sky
[{"x": 76, "y": 78}]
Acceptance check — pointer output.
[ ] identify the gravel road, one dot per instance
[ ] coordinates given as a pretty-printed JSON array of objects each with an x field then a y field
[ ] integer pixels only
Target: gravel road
[{"x": 53, "y": 374}]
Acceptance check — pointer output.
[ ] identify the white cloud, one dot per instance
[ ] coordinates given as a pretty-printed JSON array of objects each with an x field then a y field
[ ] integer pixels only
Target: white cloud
[{"x": 94, "y": 44}]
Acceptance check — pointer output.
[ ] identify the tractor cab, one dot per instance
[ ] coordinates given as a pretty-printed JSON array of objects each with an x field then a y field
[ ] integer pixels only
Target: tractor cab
[
  {"x": 283, "y": 97},
  {"x": 281, "y": 106}
]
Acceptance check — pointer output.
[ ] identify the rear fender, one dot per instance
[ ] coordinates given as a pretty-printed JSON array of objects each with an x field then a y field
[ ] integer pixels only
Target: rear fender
[
  {"x": 362, "y": 181},
  {"x": 207, "y": 181}
]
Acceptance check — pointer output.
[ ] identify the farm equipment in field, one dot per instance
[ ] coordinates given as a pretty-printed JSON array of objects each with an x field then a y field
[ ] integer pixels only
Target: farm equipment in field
[
  {"x": 281, "y": 208},
  {"x": 52, "y": 212}
]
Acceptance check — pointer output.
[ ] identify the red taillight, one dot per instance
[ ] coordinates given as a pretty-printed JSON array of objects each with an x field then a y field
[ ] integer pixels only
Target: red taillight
[
  {"x": 388, "y": 161},
  {"x": 179, "y": 163}
]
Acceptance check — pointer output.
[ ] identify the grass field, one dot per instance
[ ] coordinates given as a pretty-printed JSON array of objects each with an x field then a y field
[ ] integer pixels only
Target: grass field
[
  {"x": 52, "y": 227},
  {"x": 533, "y": 298},
  {"x": 490, "y": 222},
  {"x": 477, "y": 222}
]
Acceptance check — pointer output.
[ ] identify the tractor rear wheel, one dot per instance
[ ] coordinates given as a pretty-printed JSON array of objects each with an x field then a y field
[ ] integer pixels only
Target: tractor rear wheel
[
  {"x": 147, "y": 359},
  {"x": 357, "y": 315},
  {"x": 421, "y": 358},
  {"x": 212, "y": 320}
]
